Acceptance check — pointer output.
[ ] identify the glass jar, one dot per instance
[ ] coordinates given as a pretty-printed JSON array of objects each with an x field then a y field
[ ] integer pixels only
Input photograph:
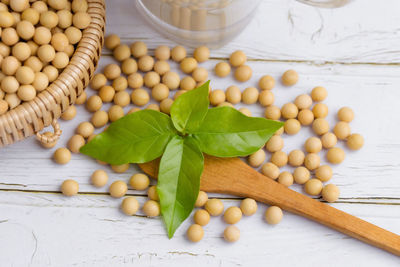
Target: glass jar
[{"x": 209, "y": 22}]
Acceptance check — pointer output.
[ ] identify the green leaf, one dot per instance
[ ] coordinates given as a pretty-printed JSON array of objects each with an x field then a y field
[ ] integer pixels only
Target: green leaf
[
  {"x": 178, "y": 184},
  {"x": 136, "y": 138},
  {"x": 226, "y": 132},
  {"x": 189, "y": 110}
]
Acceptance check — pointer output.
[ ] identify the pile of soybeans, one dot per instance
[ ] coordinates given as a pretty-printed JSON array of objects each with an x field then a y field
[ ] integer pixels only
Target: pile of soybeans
[{"x": 137, "y": 77}]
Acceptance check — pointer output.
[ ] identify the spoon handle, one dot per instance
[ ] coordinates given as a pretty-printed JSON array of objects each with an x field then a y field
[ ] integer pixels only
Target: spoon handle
[{"x": 233, "y": 176}]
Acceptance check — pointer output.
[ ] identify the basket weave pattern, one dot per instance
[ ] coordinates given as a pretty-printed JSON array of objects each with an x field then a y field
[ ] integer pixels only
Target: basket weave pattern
[{"x": 31, "y": 117}]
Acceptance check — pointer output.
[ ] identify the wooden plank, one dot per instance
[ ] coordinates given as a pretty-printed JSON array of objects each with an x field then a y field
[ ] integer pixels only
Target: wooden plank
[
  {"x": 363, "y": 31},
  {"x": 40, "y": 229}
]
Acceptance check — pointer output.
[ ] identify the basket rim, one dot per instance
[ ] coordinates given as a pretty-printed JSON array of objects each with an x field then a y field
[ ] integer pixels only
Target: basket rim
[{"x": 32, "y": 116}]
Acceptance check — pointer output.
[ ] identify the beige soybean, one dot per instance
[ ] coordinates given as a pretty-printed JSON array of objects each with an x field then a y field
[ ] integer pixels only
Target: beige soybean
[
  {"x": 9, "y": 36},
  {"x": 73, "y": 34},
  {"x": 118, "y": 189},
  {"x": 305, "y": 117},
  {"x": 52, "y": 74},
  {"x": 214, "y": 206},
  {"x": 138, "y": 49},
  {"x": 59, "y": 41},
  {"x": 266, "y": 98},
  {"x": 279, "y": 158},
  {"x": 292, "y": 126},
  {"x": 243, "y": 73},
  {"x": 345, "y": 114},
  {"x": 250, "y": 95},
  {"x": 10, "y": 65},
  {"x": 313, "y": 187},
  {"x": 187, "y": 83},
  {"x": 64, "y": 18},
  {"x": 342, "y": 130},
  {"x": 24, "y": 75},
  {"x": 303, "y": 101},
  {"x": 330, "y": 193},
  {"x": 120, "y": 168},
  {"x": 178, "y": 53},
  {"x": 231, "y": 234},
  {"x": 324, "y": 173},
  {"x": 145, "y": 63},
  {"x": 3, "y": 106},
  {"x": 106, "y": 93},
  {"x": 232, "y": 215},
  {"x": 94, "y": 103},
  {"x": 75, "y": 143},
  {"x": 135, "y": 80},
  {"x": 320, "y": 126},
  {"x": 222, "y": 69},
  {"x": 328, "y": 140},
  {"x": 201, "y": 200},
  {"x": 25, "y": 29},
  {"x": 140, "y": 97},
  {"x": 200, "y": 74},
  {"x": 245, "y": 111},
  {"x": 120, "y": 83},
  {"x": 152, "y": 193},
  {"x": 62, "y": 155},
  {"x": 81, "y": 20},
  {"x": 266, "y": 82},
  {"x": 201, "y": 53},
  {"x": 34, "y": 63},
  {"x": 270, "y": 170},
  {"x": 139, "y": 181},
  {"x": 21, "y": 51},
  {"x": 162, "y": 52},
  {"x": 121, "y": 52},
  {"x": 69, "y": 113},
  {"x": 296, "y": 158},
  {"x": 60, "y": 60},
  {"x": 319, "y": 93},
  {"x": 273, "y": 215},
  {"x": 160, "y": 92},
  {"x": 99, "y": 178},
  {"x": 161, "y": 67},
  {"x": 112, "y": 71},
  {"x": 130, "y": 206},
  {"x": 313, "y": 145},
  {"x": 151, "y": 79},
  {"x": 201, "y": 217},
  {"x": 195, "y": 233},
  {"x": 171, "y": 79},
  {"x": 285, "y": 178},
  {"x": 122, "y": 98},
  {"x": 237, "y": 58},
  {"x": 301, "y": 175},
  {"x": 257, "y": 158},
  {"x": 13, "y": 100},
  {"x": 115, "y": 113},
  {"x": 69, "y": 188},
  {"x": 248, "y": 206},
  {"x": 99, "y": 119},
  {"x": 85, "y": 129},
  {"x": 335, "y": 155},
  {"x": 312, "y": 161},
  {"x": 99, "y": 80},
  {"x": 129, "y": 66},
  {"x": 151, "y": 208},
  {"x": 289, "y": 111},
  {"x": 290, "y": 78},
  {"x": 272, "y": 112},
  {"x": 26, "y": 92},
  {"x": 188, "y": 65},
  {"x": 217, "y": 97},
  {"x": 49, "y": 19},
  {"x": 275, "y": 143},
  {"x": 320, "y": 110},
  {"x": 355, "y": 141},
  {"x": 233, "y": 94}
]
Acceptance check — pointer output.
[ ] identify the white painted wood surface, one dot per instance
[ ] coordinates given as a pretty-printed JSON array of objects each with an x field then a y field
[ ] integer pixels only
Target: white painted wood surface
[{"x": 40, "y": 227}]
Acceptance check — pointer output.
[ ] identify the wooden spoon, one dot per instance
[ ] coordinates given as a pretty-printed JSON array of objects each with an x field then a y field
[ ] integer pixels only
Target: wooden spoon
[{"x": 233, "y": 176}]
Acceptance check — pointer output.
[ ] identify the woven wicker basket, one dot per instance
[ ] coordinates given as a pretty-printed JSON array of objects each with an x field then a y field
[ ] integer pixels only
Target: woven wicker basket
[{"x": 31, "y": 117}]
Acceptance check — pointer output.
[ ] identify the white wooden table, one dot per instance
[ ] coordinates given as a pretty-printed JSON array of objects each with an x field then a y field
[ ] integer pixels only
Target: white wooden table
[{"x": 352, "y": 51}]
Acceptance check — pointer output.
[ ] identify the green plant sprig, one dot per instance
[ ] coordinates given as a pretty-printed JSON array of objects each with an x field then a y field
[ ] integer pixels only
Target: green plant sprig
[{"x": 180, "y": 140}]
